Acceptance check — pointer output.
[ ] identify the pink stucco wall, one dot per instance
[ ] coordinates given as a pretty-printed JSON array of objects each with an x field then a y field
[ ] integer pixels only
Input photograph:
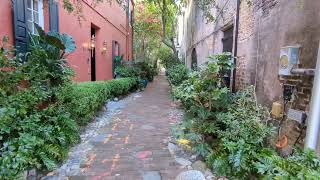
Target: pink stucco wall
[
  {"x": 110, "y": 22},
  {"x": 6, "y": 27}
]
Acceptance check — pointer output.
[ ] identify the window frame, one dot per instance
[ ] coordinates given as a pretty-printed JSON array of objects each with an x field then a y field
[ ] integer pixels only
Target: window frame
[{"x": 40, "y": 14}]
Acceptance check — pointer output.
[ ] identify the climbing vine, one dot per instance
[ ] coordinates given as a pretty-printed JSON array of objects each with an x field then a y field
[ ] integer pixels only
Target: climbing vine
[{"x": 208, "y": 5}]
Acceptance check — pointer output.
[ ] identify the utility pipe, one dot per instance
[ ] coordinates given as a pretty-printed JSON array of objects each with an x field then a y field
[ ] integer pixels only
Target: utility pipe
[
  {"x": 314, "y": 116},
  {"x": 306, "y": 72},
  {"x": 235, "y": 50}
]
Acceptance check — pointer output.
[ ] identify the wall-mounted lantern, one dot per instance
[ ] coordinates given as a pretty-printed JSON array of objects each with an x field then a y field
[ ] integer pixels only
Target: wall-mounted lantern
[
  {"x": 85, "y": 46},
  {"x": 93, "y": 42},
  {"x": 91, "y": 45},
  {"x": 104, "y": 47}
]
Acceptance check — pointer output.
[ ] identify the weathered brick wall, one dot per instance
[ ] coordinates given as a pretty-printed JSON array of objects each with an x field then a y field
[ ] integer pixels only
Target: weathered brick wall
[
  {"x": 300, "y": 101},
  {"x": 265, "y": 27},
  {"x": 205, "y": 37}
]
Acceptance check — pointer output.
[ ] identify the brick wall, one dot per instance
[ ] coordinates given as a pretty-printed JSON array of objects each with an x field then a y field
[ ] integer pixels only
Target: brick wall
[{"x": 265, "y": 27}]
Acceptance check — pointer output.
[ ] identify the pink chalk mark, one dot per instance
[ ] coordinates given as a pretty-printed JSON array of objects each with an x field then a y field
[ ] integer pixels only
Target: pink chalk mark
[
  {"x": 143, "y": 154},
  {"x": 104, "y": 161}
]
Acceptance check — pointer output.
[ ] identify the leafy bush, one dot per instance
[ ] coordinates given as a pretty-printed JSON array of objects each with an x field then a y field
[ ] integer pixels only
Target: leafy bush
[
  {"x": 140, "y": 70},
  {"x": 40, "y": 108},
  {"x": 148, "y": 69},
  {"x": 35, "y": 129},
  {"x": 231, "y": 131},
  {"x": 83, "y": 100},
  {"x": 124, "y": 71},
  {"x": 242, "y": 134},
  {"x": 167, "y": 58},
  {"x": 204, "y": 93},
  {"x": 299, "y": 165},
  {"x": 177, "y": 74}
]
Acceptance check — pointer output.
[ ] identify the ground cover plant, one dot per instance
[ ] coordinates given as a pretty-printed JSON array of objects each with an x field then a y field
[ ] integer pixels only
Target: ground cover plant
[
  {"x": 177, "y": 74},
  {"x": 140, "y": 70},
  {"x": 35, "y": 129},
  {"x": 231, "y": 131}
]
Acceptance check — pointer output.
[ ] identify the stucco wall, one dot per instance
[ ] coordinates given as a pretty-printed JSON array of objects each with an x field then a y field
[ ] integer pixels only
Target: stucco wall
[
  {"x": 111, "y": 24},
  {"x": 205, "y": 37},
  {"x": 6, "y": 28},
  {"x": 264, "y": 29}
]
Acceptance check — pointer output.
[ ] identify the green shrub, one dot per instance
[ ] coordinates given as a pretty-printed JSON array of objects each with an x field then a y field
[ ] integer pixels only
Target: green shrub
[
  {"x": 40, "y": 108},
  {"x": 242, "y": 134},
  {"x": 137, "y": 69},
  {"x": 204, "y": 93},
  {"x": 177, "y": 74},
  {"x": 35, "y": 129},
  {"x": 124, "y": 71},
  {"x": 83, "y": 100},
  {"x": 299, "y": 165},
  {"x": 231, "y": 130},
  {"x": 167, "y": 58},
  {"x": 150, "y": 71}
]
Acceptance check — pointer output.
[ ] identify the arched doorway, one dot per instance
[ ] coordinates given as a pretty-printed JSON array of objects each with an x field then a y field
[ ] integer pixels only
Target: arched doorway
[{"x": 194, "y": 62}]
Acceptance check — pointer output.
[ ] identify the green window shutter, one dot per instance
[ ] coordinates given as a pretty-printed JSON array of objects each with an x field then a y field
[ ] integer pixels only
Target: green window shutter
[
  {"x": 54, "y": 16},
  {"x": 20, "y": 25}
]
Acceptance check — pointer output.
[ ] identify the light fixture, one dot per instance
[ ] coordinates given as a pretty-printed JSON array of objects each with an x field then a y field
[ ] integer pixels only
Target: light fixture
[
  {"x": 104, "y": 47},
  {"x": 85, "y": 46},
  {"x": 93, "y": 42}
]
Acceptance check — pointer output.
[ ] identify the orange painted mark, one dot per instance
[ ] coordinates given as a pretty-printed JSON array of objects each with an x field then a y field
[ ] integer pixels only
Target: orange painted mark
[
  {"x": 114, "y": 126},
  {"x": 114, "y": 161},
  {"x": 101, "y": 176},
  {"x": 107, "y": 139},
  {"x": 88, "y": 163},
  {"x": 126, "y": 140},
  {"x": 108, "y": 173}
]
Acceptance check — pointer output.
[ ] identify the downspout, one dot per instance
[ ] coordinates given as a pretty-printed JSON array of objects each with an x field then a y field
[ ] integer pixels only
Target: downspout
[
  {"x": 314, "y": 116},
  {"x": 235, "y": 50}
]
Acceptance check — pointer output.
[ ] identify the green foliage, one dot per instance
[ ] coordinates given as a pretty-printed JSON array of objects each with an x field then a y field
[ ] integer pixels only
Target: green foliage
[
  {"x": 167, "y": 58},
  {"x": 177, "y": 74},
  {"x": 299, "y": 165},
  {"x": 40, "y": 108},
  {"x": 231, "y": 130},
  {"x": 83, "y": 100},
  {"x": 204, "y": 93},
  {"x": 137, "y": 69},
  {"x": 127, "y": 71},
  {"x": 118, "y": 60},
  {"x": 149, "y": 70},
  {"x": 242, "y": 134},
  {"x": 35, "y": 129}
]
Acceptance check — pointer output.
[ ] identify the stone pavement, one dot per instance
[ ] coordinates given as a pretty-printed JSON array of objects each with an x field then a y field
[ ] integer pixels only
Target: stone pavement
[{"x": 129, "y": 141}]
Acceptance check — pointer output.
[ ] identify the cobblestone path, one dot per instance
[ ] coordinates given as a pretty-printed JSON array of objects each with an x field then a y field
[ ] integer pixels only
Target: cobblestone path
[{"x": 128, "y": 141}]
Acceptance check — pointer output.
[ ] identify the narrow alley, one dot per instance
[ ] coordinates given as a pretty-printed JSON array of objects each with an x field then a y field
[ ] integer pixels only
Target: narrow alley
[{"x": 133, "y": 145}]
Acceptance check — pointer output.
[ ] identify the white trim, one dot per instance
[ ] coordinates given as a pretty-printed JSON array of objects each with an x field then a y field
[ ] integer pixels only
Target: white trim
[{"x": 41, "y": 15}]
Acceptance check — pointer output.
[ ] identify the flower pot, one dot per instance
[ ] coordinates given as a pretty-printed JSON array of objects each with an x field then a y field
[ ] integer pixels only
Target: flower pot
[
  {"x": 282, "y": 142},
  {"x": 144, "y": 82}
]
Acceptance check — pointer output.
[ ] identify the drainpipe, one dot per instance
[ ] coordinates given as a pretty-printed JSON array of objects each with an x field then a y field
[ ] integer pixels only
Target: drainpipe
[
  {"x": 314, "y": 116},
  {"x": 235, "y": 50}
]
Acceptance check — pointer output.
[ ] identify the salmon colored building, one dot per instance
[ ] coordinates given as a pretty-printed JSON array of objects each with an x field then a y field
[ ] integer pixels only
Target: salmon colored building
[{"x": 101, "y": 31}]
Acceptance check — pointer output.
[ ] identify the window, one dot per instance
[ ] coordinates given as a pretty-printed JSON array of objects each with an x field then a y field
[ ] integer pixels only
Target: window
[
  {"x": 131, "y": 18},
  {"x": 34, "y": 15}
]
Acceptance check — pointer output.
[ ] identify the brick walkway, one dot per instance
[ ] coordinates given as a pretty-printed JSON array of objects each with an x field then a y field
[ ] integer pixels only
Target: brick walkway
[{"x": 134, "y": 145}]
